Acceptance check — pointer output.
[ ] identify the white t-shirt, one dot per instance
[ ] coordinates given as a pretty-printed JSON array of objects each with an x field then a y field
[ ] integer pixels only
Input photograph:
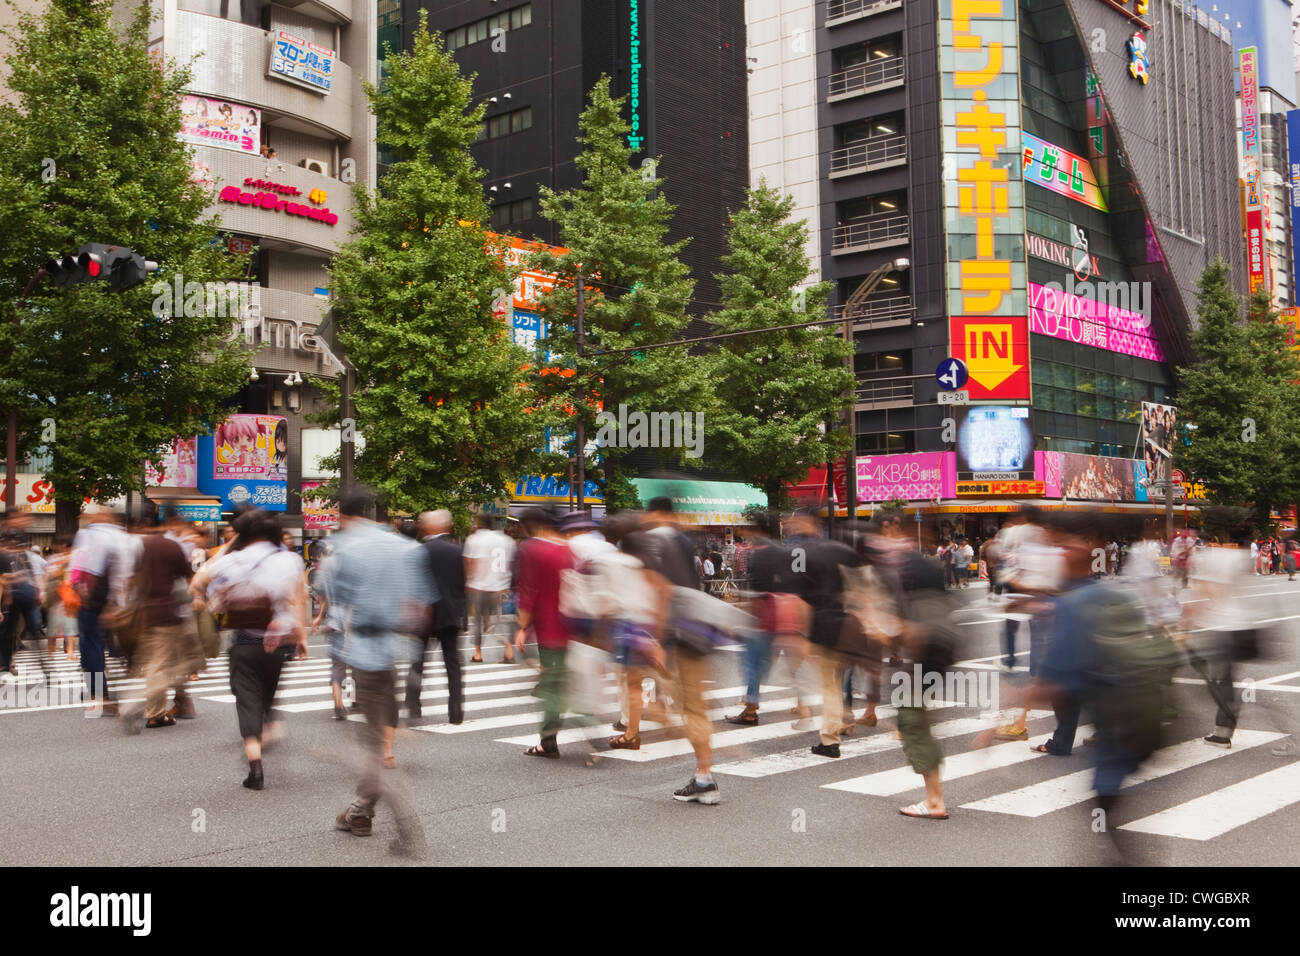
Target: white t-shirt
[
  {"x": 588, "y": 546},
  {"x": 494, "y": 555},
  {"x": 622, "y": 588}
]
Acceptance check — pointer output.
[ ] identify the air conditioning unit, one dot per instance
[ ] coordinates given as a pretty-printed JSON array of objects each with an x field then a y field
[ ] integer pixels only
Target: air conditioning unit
[{"x": 316, "y": 165}]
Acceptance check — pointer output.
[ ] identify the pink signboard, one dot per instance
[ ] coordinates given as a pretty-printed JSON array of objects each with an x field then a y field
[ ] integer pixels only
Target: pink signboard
[
  {"x": 918, "y": 477},
  {"x": 1094, "y": 321}
]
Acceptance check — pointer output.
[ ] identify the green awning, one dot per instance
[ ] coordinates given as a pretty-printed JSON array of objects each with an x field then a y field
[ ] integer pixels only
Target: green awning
[{"x": 703, "y": 502}]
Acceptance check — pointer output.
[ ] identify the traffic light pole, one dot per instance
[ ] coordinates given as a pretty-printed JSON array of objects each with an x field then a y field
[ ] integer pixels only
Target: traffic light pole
[
  {"x": 11, "y": 425},
  {"x": 581, "y": 480}
]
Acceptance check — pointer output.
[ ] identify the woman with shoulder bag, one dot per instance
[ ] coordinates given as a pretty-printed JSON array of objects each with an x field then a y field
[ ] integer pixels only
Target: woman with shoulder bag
[{"x": 258, "y": 587}]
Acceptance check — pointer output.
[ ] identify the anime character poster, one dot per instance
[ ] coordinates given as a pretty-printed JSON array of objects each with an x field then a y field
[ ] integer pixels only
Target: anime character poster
[
  {"x": 1159, "y": 430},
  {"x": 251, "y": 447},
  {"x": 177, "y": 466}
]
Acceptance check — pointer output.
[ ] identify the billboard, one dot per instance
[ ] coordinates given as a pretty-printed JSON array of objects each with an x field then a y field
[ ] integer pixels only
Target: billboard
[
  {"x": 996, "y": 352},
  {"x": 317, "y": 515},
  {"x": 1063, "y": 172},
  {"x": 1293, "y": 153},
  {"x": 221, "y": 123},
  {"x": 1097, "y": 478},
  {"x": 1159, "y": 431},
  {"x": 301, "y": 61},
  {"x": 984, "y": 202},
  {"x": 246, "y": 460},
  {"x": 177, "y": 466},
  {"x": 995, "y": 440},
  {"x": 918, "y": 477},
  {"x": 1088, "y": 320},
  {"x": 1256, "y": 267}
]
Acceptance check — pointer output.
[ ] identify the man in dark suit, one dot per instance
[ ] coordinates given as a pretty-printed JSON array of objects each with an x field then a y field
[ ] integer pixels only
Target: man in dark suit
[{"x": 448, "y": 570}]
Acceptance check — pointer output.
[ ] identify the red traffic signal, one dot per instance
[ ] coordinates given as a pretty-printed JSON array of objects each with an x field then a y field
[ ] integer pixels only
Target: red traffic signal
[{"x": 94, "y": 260}]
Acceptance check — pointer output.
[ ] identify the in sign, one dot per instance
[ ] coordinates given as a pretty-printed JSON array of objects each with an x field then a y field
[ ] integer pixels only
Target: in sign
[{"x": 951, "y": 374}]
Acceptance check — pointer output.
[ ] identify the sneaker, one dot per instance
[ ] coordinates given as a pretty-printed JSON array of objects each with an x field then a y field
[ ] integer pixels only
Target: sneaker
[
  {"x": 826, "y": 750},
  {"x": 804, "y": 723},
  {"x": 1218, "y": 741},
  {"x": 694, "y": 792},
  {"x": 357, "y": 823}
]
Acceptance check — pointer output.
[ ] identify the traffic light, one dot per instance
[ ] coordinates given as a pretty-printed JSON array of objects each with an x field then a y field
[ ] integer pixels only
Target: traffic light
[{"x": 95, "y": 260}]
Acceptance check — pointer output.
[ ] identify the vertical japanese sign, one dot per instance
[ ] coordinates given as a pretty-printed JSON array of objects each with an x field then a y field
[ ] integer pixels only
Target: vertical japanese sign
[
  {"x": 984, "y": 205},
  {"x": 1293, "y": 153},
  {"x": 1250, "y": 160}
]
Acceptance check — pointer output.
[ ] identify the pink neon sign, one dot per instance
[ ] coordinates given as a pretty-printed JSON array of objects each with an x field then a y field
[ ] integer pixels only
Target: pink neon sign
[{"x": 1087, "y": 321}]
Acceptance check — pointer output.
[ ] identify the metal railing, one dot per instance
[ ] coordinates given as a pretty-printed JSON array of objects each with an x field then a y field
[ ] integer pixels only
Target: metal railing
[
  {"x": 869, "y": 232},
  {"x": 885, "y": 392},
  {"x": 841, "y": 10},
  {"x": 872, "y": 75},
  {"x": 875, "y": 153},
  {"x": 879, "y": 311}
]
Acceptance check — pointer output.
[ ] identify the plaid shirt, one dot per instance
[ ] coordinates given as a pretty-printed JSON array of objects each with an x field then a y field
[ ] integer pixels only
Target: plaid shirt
[{"x": 382, "y": 585}]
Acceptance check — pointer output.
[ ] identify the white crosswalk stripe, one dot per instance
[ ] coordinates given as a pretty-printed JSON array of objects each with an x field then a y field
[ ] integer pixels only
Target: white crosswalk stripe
[{"x": 1227, "y": 809}]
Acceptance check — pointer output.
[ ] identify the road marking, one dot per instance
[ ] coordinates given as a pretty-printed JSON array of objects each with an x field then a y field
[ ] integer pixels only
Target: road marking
[
  {"x": 887, "y": 783},
  {"x": 1058, "y": 793},
  {"x": 1223, "y": 810}
]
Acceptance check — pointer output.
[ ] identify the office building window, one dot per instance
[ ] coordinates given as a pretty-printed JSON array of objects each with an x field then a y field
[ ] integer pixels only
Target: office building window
[
  {"x": 507, "y": 214},
  {"x": 481, "y": 30},
  {"x": 494, "y": 127}
]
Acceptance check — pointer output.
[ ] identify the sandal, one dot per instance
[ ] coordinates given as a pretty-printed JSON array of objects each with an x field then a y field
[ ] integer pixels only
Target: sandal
[
  {"x": 624, "y": 742},
  {"x": 922, "y": 811},
  {"x": 1011, "y": 732},
  {"x": 539, "y": 751},
  {"x": 746, "y": 718},
  {"x": 165, "y": 720},
  {"x": 1044, "y": 749}
]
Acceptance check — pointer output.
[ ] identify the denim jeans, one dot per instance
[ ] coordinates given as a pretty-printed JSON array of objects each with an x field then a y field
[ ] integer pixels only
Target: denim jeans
[
  {"x": 92, "y": 651},
  {"x": 758, "y": 660}
]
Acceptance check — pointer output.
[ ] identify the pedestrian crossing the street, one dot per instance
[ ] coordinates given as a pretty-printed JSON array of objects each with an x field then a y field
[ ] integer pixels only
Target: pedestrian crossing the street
[{"x": 500, "y": 708}]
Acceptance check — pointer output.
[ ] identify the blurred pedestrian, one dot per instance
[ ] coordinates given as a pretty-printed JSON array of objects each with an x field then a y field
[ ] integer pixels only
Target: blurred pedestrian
[
  {"x": 447, "y": 566},
  {"x": 103, "y": 562},
  {"x": 489, "y": 561},
  {"x": 540, "y": 561}
]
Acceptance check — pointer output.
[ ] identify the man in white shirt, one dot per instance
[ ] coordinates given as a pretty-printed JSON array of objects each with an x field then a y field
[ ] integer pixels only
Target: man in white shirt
[{"x": 489, "y": 562}]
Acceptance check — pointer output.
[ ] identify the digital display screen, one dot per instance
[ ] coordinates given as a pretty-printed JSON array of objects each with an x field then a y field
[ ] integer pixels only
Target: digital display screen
[{"x": 995, "y": 438}]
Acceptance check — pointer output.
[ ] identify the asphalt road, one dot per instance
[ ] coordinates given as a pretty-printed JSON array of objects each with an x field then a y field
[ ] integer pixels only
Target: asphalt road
[{"x": 83, "y": 792}]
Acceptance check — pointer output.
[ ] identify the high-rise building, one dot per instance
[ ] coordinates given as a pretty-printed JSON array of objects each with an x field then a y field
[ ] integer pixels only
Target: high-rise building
[
  {"x": 1030, "y": 186},
  {"x": 681, "y": 64}
]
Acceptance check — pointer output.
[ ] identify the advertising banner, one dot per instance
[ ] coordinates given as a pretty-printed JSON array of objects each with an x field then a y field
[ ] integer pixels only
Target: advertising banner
[
  {"x": 1159, "y": 431},
  {"x": 221, "y": 123},
  {"x": 1063, "y": 172},
  {"x": 1251, "y": 165},
  {"x": 177, "y": 468},
  {"x": 984, "y": 201},
  {"x": 246, "y": 460},
  {"x": 917, "y": 477},
  {"x": 301, "y": 61},
  {"x": 995, "y": 439},
  {"x": 1094, "y": 320},
  {"x": 1293, "y": 152},
  {"x": 317, "y": 515},
  {"x": 1096, "y": 478}
]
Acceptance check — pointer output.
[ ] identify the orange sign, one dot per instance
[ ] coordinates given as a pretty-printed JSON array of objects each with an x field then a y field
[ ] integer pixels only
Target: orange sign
[
  {"x": 996, "y": 352},
  {"x": 1023, "y": 489}
]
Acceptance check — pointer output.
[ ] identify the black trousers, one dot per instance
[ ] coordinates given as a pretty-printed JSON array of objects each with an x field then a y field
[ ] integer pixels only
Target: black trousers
[
  {"x": 254, "y": 677},
  {"x": 449, "y": 638}
]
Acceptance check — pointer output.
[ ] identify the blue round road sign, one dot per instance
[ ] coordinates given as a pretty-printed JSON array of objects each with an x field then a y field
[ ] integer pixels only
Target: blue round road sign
[{"x": 951, "y": 374}]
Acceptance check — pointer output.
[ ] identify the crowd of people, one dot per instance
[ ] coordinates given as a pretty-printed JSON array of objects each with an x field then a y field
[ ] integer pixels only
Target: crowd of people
[{"x": 629, "y": 594}]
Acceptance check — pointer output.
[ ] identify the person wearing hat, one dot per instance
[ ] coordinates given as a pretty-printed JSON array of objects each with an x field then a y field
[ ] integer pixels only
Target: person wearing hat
[{"x": 584, "y": 537}]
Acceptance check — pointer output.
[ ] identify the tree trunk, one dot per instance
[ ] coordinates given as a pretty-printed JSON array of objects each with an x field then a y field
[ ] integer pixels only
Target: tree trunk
[{"x": 67, "y": 516}]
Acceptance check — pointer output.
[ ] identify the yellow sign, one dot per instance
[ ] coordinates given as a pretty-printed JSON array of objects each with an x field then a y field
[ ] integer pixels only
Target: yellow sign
[
  {"x": 318, "y": 196},
  {"x": 1024, "y": 489}
]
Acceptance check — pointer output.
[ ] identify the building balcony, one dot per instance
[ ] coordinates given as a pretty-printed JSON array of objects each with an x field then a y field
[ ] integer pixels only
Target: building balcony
[
  {"x": 870, "y": 232},
  {"x": 879, "y": 312},
  {"x": 339, "y": 11},
  {"x": 229, "y": 61},
  {"x": 845, "y": 11},
  {"x": 879, "y": 152},
  {"x": 885, "y": 393},
  {"x": 869, "y": 77}
]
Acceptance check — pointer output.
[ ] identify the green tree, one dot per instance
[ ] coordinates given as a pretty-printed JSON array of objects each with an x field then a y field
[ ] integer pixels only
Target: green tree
[
  {"x": 441, "y": 396},
  {"x": 614, "y": 227},
  {"x": 1238, "y": 404},
  {"x": 777, "y": 390},
  {"x": 89, "y": 153}
]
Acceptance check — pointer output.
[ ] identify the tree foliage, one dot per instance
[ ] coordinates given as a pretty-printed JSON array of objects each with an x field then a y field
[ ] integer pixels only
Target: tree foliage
[
  {"x": 1239, "y": 402},
  {"x": 442, "y": 396},
  {"x": 89, "y": 153},
  {"x": 777, "y": 390},
  {"x": 614, "y": 227}
]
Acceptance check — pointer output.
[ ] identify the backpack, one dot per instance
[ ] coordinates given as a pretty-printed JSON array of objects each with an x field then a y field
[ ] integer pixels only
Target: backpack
[{"x": 1132, "y": 664}]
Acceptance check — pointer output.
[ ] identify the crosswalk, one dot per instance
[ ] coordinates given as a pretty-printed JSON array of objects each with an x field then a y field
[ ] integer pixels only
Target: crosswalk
[{"x": 1010, "y": 779}]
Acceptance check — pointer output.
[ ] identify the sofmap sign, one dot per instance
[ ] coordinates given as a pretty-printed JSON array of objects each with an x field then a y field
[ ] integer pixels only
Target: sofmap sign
[
  {"x": 299, "y": 60},
  {"x": 984, "y": 197}
]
